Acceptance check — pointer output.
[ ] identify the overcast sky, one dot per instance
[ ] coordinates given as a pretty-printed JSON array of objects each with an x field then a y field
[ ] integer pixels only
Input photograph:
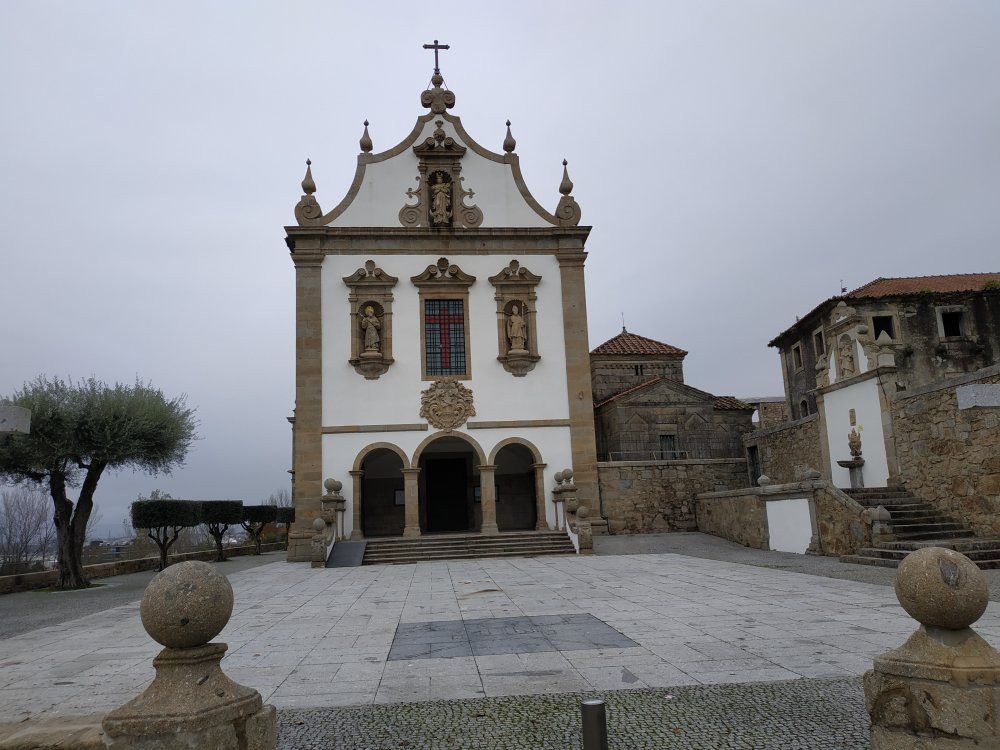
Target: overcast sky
[{"x": 736, "y": 160}]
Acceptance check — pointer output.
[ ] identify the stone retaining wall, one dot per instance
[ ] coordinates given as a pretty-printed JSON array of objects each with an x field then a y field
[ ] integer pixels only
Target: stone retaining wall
[
  {"x": 741, "y": 516},
  {"x": 950, "y": 457},
  {"x": 45, "y": 578},
  {"x": 641, "y": 497},
  {"x": 785, "y": 449}
]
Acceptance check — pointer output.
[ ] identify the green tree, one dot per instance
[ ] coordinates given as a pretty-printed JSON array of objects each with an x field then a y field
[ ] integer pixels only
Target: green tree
[
  {"x": 78, "y": 431},
  {"x": 255, "y": 518},
  {"x": 218, "y": 516},
  {"x": 163, "y": 518}
]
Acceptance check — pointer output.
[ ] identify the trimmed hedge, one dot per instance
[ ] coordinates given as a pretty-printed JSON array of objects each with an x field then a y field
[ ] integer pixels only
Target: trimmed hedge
[
  {"x": 157, "y": 514},
  {"x": 259, "y": 514},
  {"x": 285, "y": 515},
  {"x": 225, "y": 512}
]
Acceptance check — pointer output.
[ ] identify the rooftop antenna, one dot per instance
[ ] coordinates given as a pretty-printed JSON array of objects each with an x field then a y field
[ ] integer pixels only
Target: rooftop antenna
[
  {"x": 843, "y": 289},
  {"x": 623, "y": 322}
]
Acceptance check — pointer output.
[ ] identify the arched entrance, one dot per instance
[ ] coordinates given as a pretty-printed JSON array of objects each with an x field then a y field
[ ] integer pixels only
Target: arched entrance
[
  {"x": 382, "y": 510},
  {"x": 515, "y": 488},
  {"x": 449, "y": 486}
]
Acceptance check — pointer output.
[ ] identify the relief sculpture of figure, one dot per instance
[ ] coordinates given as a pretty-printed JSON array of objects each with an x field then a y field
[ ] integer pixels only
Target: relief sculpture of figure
[
  {"x": 370, "y": 325},
  {"x": 846, "y": 367},
  {"x": 440, "y": 201},
  {"x": 515, "y": 329}
]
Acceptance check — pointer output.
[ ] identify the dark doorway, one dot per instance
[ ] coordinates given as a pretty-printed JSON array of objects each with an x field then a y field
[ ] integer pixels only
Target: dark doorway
[
  {"x": 447, "y": 488},
  {"x": 382, "y": 511},
  {"x": 753, "y": 464},
  {"x": 515, "y": 488}
]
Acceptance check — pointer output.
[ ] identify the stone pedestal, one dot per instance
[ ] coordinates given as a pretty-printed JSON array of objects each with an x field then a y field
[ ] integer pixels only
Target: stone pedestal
[
  {"x": 488, "y": 498},
  {"x": 411, "y": 503},
  {"x": 854, "y": 467},
  {"x": 941, "y": 689},
  {"x": 191, "y": 703}
]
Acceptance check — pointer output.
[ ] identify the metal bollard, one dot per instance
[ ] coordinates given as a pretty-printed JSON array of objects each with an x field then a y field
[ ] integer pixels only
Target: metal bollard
[{"x": 595, "y": 724}]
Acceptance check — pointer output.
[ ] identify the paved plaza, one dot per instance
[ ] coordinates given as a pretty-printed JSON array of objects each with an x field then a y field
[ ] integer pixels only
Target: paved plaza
[{"x": 549, "y": 628}]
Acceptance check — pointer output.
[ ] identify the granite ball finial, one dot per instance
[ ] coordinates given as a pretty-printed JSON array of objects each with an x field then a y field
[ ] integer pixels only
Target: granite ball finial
[
  {"x": 186, "y": 605},
  {"x": 319, "y": 525},
  {"x": 568, "y": 475},
  {"x": 333, "y": 485},
  {"x": 558, "y": 477},
  {"x": 941, "y": 588}
]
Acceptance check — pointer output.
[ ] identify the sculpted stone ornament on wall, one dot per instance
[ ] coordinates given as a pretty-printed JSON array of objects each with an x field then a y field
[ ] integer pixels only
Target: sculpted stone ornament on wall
[
  {"x": 517, "y": 336},
  {"x": 370, "y": 325},
  {"x": 440, "y": 197},
  {"x": 371, "y": 320},
  {"x": 846, "y": 366},
  {"x": 516, "y": 332},
  {"x": 447, "y": 404}
]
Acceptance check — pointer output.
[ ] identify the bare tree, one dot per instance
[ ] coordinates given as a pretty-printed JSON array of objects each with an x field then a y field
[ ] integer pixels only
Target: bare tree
[
  {"x": 279, "y": 498},
  {"x": 27, "y": 534}
]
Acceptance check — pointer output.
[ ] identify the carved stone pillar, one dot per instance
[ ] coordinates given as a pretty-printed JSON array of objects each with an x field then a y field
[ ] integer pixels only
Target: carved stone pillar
[
  {"x": 356, "y": 532},
  {"x": 541, "y": 524},
  {"x": 488, "y": 498},
  {"x": 411, "y": 498}
]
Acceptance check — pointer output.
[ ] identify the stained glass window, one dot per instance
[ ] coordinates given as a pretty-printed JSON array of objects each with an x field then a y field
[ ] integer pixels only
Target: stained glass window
[{"x": 444, "y": 336}]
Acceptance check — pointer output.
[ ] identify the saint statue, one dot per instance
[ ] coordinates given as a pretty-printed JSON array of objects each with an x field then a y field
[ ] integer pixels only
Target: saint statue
[
  {"x": 515, "y": 329},
  {"x": 845, "y": 360},
  {"x": 370, "y": 325},
  {"x": 440, "y": 201}
]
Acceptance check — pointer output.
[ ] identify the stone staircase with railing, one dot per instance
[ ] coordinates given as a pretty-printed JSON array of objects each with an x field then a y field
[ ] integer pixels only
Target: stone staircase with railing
[
  {"x": 917, "y": 524},
  {"x": 467, "y": 547}
]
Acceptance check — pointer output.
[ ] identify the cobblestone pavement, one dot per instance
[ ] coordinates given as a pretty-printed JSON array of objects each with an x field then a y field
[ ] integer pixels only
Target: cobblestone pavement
[{"x": 800, "y": 715}]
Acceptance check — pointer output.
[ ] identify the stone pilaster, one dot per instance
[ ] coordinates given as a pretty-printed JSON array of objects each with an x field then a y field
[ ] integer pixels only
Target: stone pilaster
[
  {"x": 308, "y": 426},
  {"x": 581, "y": 402},
  {"x": 411, "y": 497},
  {"x": 488, "y": 498}
]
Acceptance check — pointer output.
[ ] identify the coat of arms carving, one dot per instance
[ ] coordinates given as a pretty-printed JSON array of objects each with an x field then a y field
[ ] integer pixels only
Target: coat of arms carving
[{"x": 447, "y": 404}]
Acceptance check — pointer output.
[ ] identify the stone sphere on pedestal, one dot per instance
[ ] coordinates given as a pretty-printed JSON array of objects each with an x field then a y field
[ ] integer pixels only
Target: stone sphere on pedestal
[
  {"x": 942, "y": 588},
  {"x": 319, "y": 525},
  {"x": 186, "y": 605},
  {"x": 583, "y": 513},
  {"x": 333, "y": 485},
  {"x": 567, "y": 475}
]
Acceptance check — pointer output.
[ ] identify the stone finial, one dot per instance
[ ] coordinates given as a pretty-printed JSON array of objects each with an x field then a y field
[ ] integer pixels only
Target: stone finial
[
  {"x": 566, "y": 186},
  {"x": 186, "y": 605},
  {"x": 558, "y": 477},
  {"x": 191, "y": 702},
  {"x": 333, "y": 486},
  {"x": 308, "y": 183},
  {"x": 509, "y": 144},
  {"x": 437, "y": 98},
  {"x": 940, "y": 689},
  {"x": 366, "y": 140},
  {"x": 941, "y": 588},
  {"x": 763, "y": 480},
  {"x": 568, "y": 475}
]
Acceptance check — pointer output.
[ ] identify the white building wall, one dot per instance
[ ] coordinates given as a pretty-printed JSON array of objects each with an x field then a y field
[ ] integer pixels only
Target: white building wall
[
  {"x": 863, "y": 397},
  {"x": 348, "y": 398},
  {"x": 789, "y": 525}
]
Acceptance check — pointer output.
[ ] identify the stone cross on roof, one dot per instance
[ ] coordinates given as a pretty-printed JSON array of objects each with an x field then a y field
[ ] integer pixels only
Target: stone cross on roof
[{"x": 436, "y": 47}]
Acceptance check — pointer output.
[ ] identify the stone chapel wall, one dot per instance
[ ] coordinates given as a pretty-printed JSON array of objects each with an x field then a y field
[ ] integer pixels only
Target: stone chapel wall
[
  {"x": 641, "y": 497},
  {"x": 949, "y": 456},
  {"x": 785, "y": 449}
]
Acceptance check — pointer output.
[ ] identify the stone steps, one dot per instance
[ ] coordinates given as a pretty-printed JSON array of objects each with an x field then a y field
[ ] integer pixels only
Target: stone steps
[
  {"x": 466, "y": 547},
  {"x": 917, "y": 524}
]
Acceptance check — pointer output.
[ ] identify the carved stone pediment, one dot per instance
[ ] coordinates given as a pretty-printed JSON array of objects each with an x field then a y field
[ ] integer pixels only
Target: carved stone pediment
[
  {"x": 443, "y": 273},
  {"x": 440, "y": 196},
  {"x": 447, "y": 404}
]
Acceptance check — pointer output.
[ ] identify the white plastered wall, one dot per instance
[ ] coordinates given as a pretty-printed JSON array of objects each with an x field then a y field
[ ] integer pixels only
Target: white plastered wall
[
  {"x": 383, "y": 192},
  {"x": 863, "y": 397},
  {"x": 394, "y": 398},
  {"x": 788, "y": 524}
]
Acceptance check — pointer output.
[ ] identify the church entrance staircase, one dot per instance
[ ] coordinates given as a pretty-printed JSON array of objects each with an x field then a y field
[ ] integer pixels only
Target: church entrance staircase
[
  {"x": 467, "y": 547},
  {"x": 917, "y": 524}
]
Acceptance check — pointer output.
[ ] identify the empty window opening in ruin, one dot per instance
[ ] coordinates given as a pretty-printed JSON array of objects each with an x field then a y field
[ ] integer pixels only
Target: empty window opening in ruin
[
  {"x": 638, "y": 369},
  {"x": 951, "y": 322},
  {"x": 803, "y": 408},
  {"x": 668, "y": 447},
  {"x": 797, "y": 356},
  {"x": 819, "y": 346},
  {"x": 882, "y": 323}
]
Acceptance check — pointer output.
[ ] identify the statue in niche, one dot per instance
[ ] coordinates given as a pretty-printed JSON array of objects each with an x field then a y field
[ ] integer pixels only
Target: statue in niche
[
  {"x": 440, "y": 201},
  {"x": 516, "y": 331},
  {"x": 854, "y": 443},
  {"x": 845, "y": 358},
  {"x": 371, "y": 325}
]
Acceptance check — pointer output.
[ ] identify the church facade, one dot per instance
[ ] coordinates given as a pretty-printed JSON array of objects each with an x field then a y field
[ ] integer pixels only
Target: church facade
[{"x": 442, "y": 364}]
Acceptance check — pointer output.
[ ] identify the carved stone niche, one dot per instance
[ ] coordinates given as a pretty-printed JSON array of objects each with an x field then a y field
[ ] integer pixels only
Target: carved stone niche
[
  {"x": 440, "y": 196},
  {"x": 371, "y": 320},
  {"x": 516, "y": 298}
]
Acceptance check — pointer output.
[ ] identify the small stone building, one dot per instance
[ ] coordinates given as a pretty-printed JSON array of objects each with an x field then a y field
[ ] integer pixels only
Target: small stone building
[{"x": 644, "y": 411}]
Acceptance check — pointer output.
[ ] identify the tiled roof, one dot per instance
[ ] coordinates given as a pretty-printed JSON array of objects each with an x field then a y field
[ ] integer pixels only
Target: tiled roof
[
  {"x": 730, "y": 402},
  {"x": 893, "y": 287},
  {"x": 627, "y": 391},
  {"x": 630, "y": 343}
]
